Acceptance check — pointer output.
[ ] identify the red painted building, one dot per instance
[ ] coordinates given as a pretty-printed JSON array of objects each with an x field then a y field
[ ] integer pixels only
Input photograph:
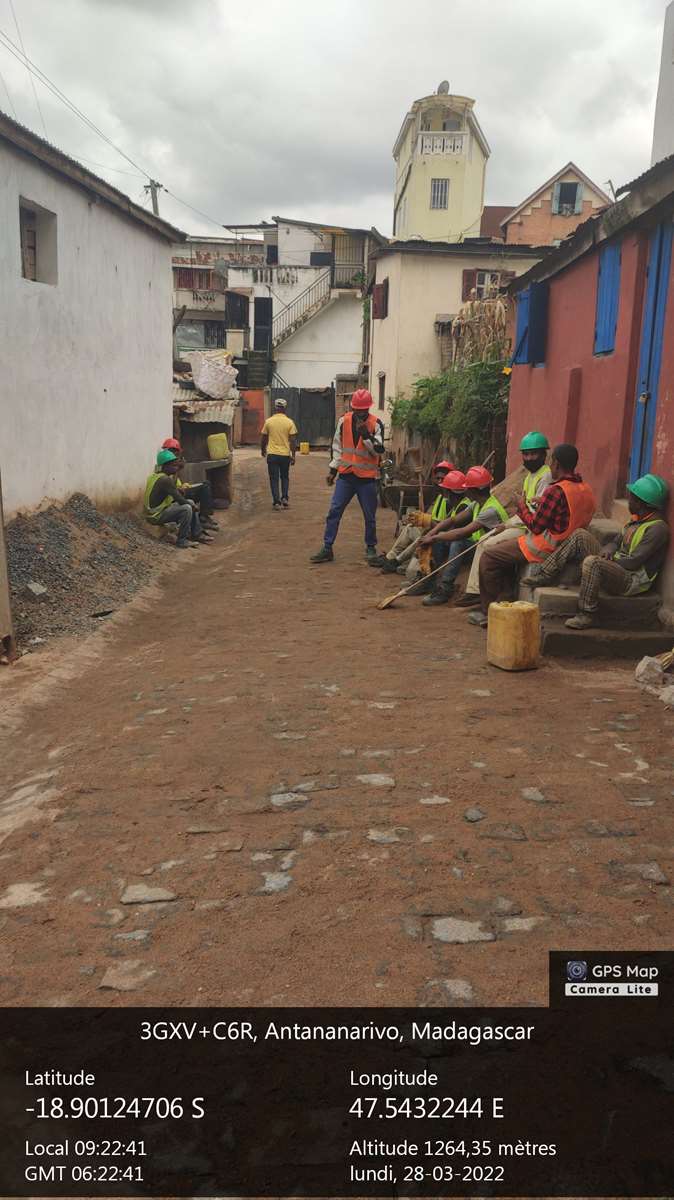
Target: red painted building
[{"x": 594, "y": 345}]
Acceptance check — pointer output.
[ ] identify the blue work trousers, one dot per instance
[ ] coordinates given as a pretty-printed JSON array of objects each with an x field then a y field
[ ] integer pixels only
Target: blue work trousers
[
  {"x": 346, "y": 487},
  {"x": 454, "y": 563}
]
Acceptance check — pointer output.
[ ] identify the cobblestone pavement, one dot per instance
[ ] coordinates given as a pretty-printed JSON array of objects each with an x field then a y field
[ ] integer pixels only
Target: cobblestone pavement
[{"x": 252, "y": 787}]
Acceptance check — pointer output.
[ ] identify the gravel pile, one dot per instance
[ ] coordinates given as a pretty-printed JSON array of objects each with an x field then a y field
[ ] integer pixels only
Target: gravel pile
[{"x": 68, "y": 564}]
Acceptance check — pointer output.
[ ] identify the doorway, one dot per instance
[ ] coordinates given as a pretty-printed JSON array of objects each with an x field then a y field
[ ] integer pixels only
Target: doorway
[{"x": 650, "y": 356}]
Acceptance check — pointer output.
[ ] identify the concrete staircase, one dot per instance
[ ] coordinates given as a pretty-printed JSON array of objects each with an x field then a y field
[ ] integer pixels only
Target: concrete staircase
[
  {"x": 629, "y": 626},
  {"x": 303, "y": 308}
]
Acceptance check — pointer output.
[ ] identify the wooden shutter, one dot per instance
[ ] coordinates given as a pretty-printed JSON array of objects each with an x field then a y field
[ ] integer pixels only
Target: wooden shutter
[
  {"x": 380, "y": 301},
  {"x": 555, "y": 196},
  {"x": 469, "y": 282},
  {"x": 608, "y": 297},
  {"x": 538, "y": 321},
  {"x": 579, "y": 199},
  {"x": 521, "y": 354}
]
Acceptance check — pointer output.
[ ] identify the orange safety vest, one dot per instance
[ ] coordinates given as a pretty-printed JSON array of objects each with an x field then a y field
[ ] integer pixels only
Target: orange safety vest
[
  {"x": 580, "y": 498},
  {"x": 358, "y": 460}
]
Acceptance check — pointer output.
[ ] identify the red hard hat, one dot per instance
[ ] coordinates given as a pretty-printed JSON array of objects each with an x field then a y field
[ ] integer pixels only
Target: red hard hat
[
  {"x": 362, "y": 399},
  {"x": 171, "y": 444},
  {"x": 444, "y": 465},
  {"x": 478, "y": 477},
  {"x": 453, "y": 481}
]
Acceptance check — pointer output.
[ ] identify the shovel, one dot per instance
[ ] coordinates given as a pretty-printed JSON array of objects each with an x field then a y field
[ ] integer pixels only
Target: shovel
[{"x": 403, "y": 591}]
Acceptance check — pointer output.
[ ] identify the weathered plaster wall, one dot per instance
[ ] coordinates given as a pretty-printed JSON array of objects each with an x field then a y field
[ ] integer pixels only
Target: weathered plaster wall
[{"x": 85, "y": 363}]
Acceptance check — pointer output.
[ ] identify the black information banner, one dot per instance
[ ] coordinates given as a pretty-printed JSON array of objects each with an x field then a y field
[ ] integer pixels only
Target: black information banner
[{"x": 340, "y": 1102}]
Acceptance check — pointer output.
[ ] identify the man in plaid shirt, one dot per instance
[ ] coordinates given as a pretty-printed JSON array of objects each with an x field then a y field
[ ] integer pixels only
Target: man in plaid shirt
[{"x": 552, "y": 515}]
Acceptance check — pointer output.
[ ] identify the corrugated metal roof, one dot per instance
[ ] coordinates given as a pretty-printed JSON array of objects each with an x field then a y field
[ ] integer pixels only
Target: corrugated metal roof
[{"x": 649, "y": 176}]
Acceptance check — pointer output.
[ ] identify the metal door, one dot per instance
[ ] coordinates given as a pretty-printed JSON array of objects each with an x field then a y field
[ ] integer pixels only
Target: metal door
[
  {"x": 312, "y": 410},
  {"x": 657, "y": 287},
  {"x": 262, "y": 337}
]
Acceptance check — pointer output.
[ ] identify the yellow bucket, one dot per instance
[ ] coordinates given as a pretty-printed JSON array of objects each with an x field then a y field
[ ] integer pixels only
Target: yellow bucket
[
  {"x": 304, "y": 447},
  {"x": 514, "y": 636}
]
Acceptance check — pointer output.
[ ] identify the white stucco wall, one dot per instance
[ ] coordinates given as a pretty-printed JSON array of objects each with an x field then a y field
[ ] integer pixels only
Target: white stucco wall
[
  {"x": 85, "y": 364},
  {"x": 330, "y": 344},
  {"x": 405, "y": 345},
  {"x": 663, "y": 133}
]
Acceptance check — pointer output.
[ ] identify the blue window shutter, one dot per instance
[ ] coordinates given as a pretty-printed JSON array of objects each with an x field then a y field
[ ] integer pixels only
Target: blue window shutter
[
  {"x": 521, "y": 354},
  {"x": 608, "y": 298},
  {"x": 538, "y": 321},
  {"x": 579, "y": 198},
  {"x": 555, "y": 197}
]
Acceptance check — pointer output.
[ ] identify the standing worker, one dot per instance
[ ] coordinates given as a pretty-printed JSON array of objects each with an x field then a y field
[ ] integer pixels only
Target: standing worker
[
  {"x": 278, "y": 444},
  {"x": 356, "y": 449}
]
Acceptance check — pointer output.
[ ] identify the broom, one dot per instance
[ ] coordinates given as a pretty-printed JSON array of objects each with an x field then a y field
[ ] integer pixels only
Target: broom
[{"x": 403, "y": 591}]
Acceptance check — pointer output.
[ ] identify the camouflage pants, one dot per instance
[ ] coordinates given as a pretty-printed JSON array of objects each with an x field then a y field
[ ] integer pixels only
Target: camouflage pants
[{"x": 596, "y": 574}]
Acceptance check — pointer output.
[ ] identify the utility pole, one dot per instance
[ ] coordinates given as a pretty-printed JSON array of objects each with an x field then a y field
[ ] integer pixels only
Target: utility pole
[{"x": 154, "y": 188}]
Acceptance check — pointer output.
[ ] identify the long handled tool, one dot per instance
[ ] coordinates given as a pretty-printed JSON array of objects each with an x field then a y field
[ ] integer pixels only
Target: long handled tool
[{"x": 403, "y": 591}]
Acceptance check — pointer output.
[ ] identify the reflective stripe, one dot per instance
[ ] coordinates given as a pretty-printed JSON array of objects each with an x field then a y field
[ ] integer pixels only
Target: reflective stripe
[
  {"x": 439, "y": 510},
  {"x": 632, "y": 546},
  {"x": 462, "y": 504},
  {"x": 490, "y": 502},
  {"x": 153, "y": 514},
  {"x": 531, "y": 481},
  {"x": 581, "y": 504},
  {"x": 360, "y": 462}
]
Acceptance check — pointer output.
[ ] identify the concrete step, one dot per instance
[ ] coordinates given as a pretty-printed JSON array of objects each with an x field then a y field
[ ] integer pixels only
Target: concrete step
[
  {"x": 557, "y": 640},
  {"x": 605, "y": 528},
  {"x": 614, "y": 611}
]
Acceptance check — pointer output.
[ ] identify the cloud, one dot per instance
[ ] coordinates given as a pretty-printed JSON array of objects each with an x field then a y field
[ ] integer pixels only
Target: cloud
[{"x": 292, "y": 107}]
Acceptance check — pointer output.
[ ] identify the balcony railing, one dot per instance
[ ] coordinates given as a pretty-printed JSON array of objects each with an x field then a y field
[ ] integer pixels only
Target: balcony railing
[
  {"x": 290, "y": 317},
  {"x": 442, "y": 143}
]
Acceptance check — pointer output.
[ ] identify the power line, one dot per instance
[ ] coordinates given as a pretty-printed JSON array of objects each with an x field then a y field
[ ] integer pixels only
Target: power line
[
  {"x": 194, "y": 210},
  {"x": 9, "y": 95},
  {"x": 32, "y": 81},
  {"x": 22, "y": 57},
  {"x": 56, "y": 91}
]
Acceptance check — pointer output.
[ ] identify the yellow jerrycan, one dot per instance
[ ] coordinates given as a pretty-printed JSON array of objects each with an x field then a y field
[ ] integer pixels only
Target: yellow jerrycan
[
  {"x": 514, "y": 636},
  {"x": 304, "y": 447}
]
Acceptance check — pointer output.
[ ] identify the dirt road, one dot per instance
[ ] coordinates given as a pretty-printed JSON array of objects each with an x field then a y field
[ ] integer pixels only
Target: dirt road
[{"x": 254, "y": 788}]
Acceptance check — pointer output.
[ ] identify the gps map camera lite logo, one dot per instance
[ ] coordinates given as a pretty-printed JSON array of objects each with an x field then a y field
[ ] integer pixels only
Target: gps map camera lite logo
[{"x": 576, "y": 971}]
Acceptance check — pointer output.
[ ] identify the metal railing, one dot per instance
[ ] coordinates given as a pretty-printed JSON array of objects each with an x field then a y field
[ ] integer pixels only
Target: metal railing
[
  {"x": 441, "y": 143},
  {"x": 310, "y": 298}
]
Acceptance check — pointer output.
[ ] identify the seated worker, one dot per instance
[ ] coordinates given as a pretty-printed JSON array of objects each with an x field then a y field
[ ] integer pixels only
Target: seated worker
[
  {"x": 199, "y": 492},
  {"x": 485, "y": 513},
  {"x": 566, "y": 505},
  {"x": 414, "y": 523},
  {"x": 534, "y": 448},
  {"x": 164, "y": 504},
  {"x": 627, "y": 566}
]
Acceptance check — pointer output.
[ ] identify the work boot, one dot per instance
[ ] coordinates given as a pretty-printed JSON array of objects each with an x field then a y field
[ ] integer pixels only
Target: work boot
[
  {"x": 371, "y": 554},
  {"x": 285, "y": 504},
  {"x": 276, "y": 506},
  {"x": 478, "y": 618},
  {"x": 439, "y": 595},
  {"x": 468, "y": 600},
  {"x": 389, "y": 566},
  {"x": 380, "y": 560},
  {"x": 421, "y": 586},
  {"x": 582, "y": 620},
  {"x": 324, "y": 555}
]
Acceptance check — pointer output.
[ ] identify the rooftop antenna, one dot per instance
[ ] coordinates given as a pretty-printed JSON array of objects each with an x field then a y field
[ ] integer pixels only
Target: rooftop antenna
[{"x": 443, "y": 88}]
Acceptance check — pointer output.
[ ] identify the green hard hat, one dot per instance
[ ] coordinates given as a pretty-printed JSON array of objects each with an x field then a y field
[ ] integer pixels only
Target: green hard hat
[
  {"x": 165, "y": 456},
  {"x": 652, "y": 489},
  {"x": 534, "y": 441}
]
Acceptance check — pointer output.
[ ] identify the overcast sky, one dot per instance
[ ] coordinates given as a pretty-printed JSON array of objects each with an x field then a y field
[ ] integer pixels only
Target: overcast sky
[{"x": 292, "y": 107}]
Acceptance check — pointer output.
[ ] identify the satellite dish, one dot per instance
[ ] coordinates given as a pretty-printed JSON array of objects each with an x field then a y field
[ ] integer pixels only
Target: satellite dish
[{"x": 443, "y": 88}]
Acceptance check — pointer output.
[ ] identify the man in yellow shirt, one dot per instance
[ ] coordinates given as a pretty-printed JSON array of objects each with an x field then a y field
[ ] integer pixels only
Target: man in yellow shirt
[{"x": 278, "y": 445}]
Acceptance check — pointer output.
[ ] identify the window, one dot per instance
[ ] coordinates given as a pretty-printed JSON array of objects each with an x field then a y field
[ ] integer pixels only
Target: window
[
  {"x": 532, "y": 324},
  {"x": 382, "y": 392},
  {"x": 486, "y": 283},
  {"x": 483, "y": 283},
  {"x": 439, "y": 193},
  {"x": 567, "y": 199},
  {"x": 192, "y": 279},
  {"x": 215, "y": 335},
  {"x": 452, "y": 124},
  {"x": 271, "y": 254},
  {"x": 37, "y": 232},
  {"x": 380, "y": 301},
  {"x": 608, "y": 298},
  {"x": 321, "y": 258}
]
